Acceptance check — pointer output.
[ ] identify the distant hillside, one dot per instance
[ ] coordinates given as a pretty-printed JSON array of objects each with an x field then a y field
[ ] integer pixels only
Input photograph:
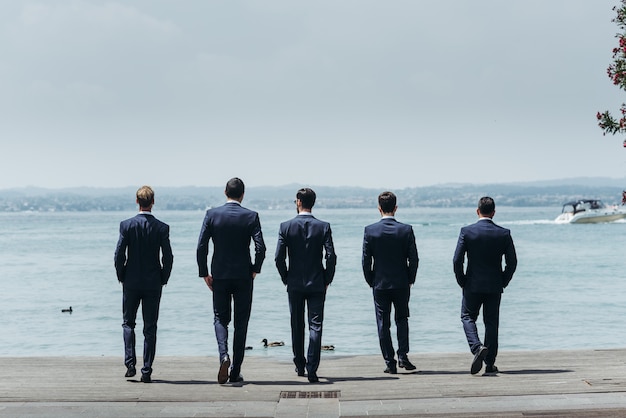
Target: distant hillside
[{"x": 541, "y": 193}]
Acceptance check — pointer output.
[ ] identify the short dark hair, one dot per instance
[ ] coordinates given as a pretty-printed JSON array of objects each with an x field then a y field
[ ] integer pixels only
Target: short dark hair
[
  {"x": 145, "y": 196},
  {"x": 387, "y": 201},
  {"x": 306, "y": 197},
  {"x": 235, "y": 188},
  {"x": 486, "y": 205}
]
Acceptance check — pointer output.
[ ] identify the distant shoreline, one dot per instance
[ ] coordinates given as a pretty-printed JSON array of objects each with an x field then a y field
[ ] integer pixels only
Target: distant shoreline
[{"x": 279, "y": 197}]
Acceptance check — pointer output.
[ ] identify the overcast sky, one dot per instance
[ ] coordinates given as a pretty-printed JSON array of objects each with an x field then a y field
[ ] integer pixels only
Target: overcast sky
[{"x": 366, "y": 93}]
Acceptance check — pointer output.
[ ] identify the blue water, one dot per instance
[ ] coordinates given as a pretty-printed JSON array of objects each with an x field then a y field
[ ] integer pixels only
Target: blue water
[{"x": 568, "y": 292}]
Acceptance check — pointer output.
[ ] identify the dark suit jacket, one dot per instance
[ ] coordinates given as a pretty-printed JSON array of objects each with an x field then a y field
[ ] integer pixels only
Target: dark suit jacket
[
  {"x": 304, "y": 239},
  {"x": 231, "y": 226},
  {"x": 485, "y": 244},
  {"x": 390, "y": 257},
  {"x": 145, "y": 238}
]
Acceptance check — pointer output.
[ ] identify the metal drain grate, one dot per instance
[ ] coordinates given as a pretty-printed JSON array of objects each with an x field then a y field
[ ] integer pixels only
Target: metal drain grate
[{"x": 294, "y": 394}]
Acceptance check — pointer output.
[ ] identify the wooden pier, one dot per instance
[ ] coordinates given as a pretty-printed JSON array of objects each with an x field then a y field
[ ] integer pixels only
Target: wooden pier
[{"x": 530, "y": 383}]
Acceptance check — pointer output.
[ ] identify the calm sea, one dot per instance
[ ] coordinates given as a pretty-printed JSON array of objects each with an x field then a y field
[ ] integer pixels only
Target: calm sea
[{"x": 568, "y": 292}]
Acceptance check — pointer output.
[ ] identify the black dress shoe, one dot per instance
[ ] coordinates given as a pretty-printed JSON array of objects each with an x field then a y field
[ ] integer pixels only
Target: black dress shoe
[
  {"x": 406, "y": 364},
  {"x": 146, "y": 378},
  {"x": 130, "y": 371},
  {"x": 391, "y": 370},
  {"x": 479, "y": 357},
  {"x": 300, "y": 371},
  {"x": 491, "y": 369},
  {"x": 313, "y": 378},
  {"x": 222, "y": 375},
  {"x": 235, "y": 378}
]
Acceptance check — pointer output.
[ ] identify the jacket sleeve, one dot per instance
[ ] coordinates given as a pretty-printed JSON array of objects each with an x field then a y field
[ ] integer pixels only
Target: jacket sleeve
[
  {"x": 259, "y": 245},
  {"x": 167, "y": 258},
  {"x": 510, "y": 259},
  {"x": 120, "y": 255},
  {"x": 280, "y": 257},
  {"x": 331, "y": 257},
  {"x": 202, "y": 251},
  {"x": 366, "y": 261},
  {"x": 459, "y": 259},
  {"x": 413, "y": 258}
]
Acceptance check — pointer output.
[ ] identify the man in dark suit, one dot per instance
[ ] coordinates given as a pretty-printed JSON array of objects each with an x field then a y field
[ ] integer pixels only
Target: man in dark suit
[
  {"x": 231, "y": 227},
  {"x": 304, "y": 240},
  {"x": 142, "y": 240},
  {"x": 390, "y": 264},
  {"x": 485, "y": 243}
]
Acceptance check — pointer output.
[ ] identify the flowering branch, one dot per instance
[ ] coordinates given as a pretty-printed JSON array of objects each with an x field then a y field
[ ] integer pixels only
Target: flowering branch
[{"x": 617, "y": 73}]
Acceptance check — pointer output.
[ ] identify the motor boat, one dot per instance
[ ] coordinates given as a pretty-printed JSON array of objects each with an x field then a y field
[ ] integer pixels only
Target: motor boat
[{"x": 589, "y": 211}]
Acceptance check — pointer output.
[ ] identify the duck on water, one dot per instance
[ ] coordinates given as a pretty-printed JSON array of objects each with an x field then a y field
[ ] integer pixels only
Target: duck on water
[{"x": 272, "y": 344}]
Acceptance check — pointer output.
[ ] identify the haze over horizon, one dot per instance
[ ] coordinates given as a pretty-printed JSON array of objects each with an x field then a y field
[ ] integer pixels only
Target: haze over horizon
[
  {"x": 584, "y": 182},
  {"x": 402, "y": 94}
]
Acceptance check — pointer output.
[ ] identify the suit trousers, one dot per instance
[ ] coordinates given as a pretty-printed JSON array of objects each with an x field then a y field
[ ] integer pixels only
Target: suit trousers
[
  {"x": 470, "y": 308},
  {"x": 239, "y": 292},
  {"x": 315, "y": 312},
  {"x": 150, "y": 301},
  {"x": 383, "y": 300}
]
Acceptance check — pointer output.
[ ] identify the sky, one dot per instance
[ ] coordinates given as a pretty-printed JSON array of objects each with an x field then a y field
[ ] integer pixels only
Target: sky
[{"x": 389, "y": 94}]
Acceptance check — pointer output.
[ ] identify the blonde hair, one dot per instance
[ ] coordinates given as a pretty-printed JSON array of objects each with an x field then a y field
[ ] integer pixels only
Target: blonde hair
[{"x": 145, "y": 196}]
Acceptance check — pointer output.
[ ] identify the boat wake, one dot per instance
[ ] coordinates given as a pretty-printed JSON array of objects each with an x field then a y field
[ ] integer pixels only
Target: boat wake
[{"x": 528, "y": 222}]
